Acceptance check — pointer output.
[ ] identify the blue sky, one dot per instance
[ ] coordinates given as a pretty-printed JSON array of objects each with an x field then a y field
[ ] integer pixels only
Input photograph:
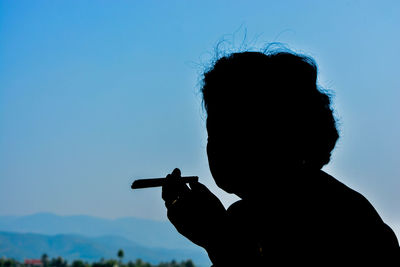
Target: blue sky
[{"x": 94, "y": 94}]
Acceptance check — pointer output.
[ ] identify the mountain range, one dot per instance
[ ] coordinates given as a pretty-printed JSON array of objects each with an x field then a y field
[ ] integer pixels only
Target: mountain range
[
  {"x": 142, "y": 231},
  {"x": 90, "y": 238}
]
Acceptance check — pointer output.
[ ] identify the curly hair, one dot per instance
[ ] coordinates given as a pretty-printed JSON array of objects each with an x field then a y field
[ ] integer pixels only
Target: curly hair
[{"x": 273, "y": 98}]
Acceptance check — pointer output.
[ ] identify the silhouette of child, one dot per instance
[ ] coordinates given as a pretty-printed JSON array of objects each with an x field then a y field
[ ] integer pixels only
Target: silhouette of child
[{"x": 270, "y": 131}]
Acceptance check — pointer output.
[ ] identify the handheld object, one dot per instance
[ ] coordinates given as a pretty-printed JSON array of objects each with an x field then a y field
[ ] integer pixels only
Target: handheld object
[{"x": 155, "y": 182}]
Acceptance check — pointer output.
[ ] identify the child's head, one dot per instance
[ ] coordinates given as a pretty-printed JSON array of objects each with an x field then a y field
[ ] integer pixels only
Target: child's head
[{"x": 265, "y": 115}]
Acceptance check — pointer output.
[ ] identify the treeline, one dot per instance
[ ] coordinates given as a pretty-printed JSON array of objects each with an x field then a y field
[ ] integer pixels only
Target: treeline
[
  {"x": 5, "y": 262},
  {"x": 60, "y": 262}
]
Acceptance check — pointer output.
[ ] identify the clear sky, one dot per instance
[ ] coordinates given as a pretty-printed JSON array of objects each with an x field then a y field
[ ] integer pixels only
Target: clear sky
[{"x": 95, "y": 94}]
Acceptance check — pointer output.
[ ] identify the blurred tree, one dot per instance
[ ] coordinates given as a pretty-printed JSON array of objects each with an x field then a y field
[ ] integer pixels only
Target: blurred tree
[
  {"x": 77, "y": 263},
  {"x": 8, "y": 262},
  {"x": 139, "y": 263},
  {"x": 58, "y": 262},
  {"x": 45, "y": 260},
  {"x": 120, "y": 255},
  {"x": 189, "y": 263}
]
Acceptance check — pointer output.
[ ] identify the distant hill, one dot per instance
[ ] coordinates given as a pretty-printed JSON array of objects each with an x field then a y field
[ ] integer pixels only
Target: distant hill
[
  {"x": 20, "y": 246},
  {"x": 147, "y": 233}
]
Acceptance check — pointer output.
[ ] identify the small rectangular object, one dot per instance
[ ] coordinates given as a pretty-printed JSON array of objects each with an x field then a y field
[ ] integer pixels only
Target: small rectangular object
[{"x": 155, "y": 182}]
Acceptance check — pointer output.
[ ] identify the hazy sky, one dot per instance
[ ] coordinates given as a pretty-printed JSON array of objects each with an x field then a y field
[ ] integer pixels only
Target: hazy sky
[{"x": 95, "y": 94}]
